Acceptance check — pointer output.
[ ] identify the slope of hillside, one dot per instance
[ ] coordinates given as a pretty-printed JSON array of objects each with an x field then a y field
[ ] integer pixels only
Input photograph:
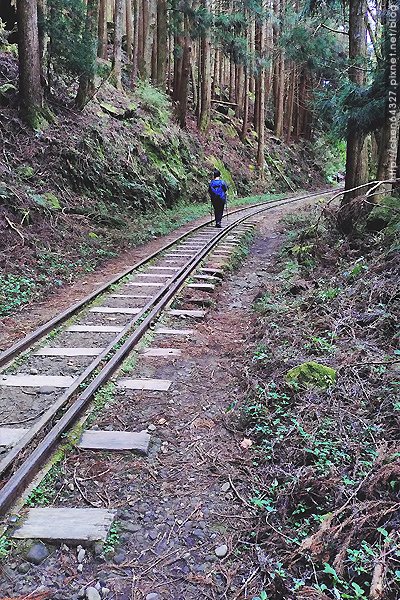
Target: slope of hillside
[{"x": 110, "y": 177}]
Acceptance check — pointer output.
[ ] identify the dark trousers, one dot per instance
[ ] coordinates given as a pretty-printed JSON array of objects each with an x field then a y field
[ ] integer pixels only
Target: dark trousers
[{"x": 218, "y": 205}]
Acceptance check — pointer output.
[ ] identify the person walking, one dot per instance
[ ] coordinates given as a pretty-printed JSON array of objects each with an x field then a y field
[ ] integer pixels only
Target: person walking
[{"x": 218, "y": 189}]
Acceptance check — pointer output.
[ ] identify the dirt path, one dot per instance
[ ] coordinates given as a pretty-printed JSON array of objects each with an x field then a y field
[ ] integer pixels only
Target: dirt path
[{"x": 183, "y": 517}]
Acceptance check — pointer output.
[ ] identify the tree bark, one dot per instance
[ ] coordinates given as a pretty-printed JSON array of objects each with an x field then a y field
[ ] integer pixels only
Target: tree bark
[
  {"x": 162, "y": 43},
  {"x": 355, "y": 137},
  {"x": 185, "y": 74},
  {"x": 86, "y": 82},
  {"x": 135, "y": 56},
  {"x": 261, "y": 103},
  {"x": 102, "y": 31},
  {"x": 290, "y": 104},
  {"x": 205, "y": 76},
  {"x": 30, "y": 88},
  {"x": 129, "y": 30},
  {"x": 117, "y": 49},
  {"x": 245, "y": 105}
]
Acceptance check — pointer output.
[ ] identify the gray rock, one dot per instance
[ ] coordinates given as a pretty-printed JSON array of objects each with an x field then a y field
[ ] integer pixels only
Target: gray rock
[
  {"x": 81, "y": 555},
  {"x": 105, "y": 591},
  {"x": 98, "y": 548},
  {"x": 34, "y": 371},
  {"x": 151, "y": 427},
  {"x": 221, "y": 551},
  {"x": 98, "y": 586},
  {"x": 37, "y": 553},
  {"x": 47, "y": 389},
  {"x": 92, "y": 594},
  {"x": 131, "y": 527},
  {"x": 119, "y": 558},
  {"x": 79, "y": 568},
  {"x": 23, "y": 568},
  {"x": 153, "y": 596},
  {"x": 82, "y": 593},
  {"x": 225, "y": 487},
  {"x": 153, "y": 534}
]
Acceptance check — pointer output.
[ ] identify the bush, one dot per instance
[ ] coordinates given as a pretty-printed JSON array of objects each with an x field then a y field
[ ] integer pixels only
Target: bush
[{"x": 154, "y": 101}]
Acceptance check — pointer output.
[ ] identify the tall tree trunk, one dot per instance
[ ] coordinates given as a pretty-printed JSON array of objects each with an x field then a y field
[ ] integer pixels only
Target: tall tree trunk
[
  {"x": 86, "y": 81},
  {"x": 245, "y": 105},
  {"x": 257, "y": 82},
  {"x": 355, "y": 137},
  {"x": 102, "y": 31},
  {"x": 279, "y": 69},
  {"x": 184, "y": 78},
  {"x": 42, "y": 12},
  {"x": 290, "y": 103},
  {"x": 162, "y": 43},
  {"x": 205, "y": 76},
  {"x": 129, "y": 30},
  {"x": 117, "y": 49},
  {"x": 215, "y": 82},
  {"x": 135, "y": 56},
  {"x": 261, "y": 103},
  {"x": 30, "y": 88}
]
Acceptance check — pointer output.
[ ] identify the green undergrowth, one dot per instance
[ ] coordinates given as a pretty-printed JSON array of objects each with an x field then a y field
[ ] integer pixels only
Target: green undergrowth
[{"x": 326, "y": 466}]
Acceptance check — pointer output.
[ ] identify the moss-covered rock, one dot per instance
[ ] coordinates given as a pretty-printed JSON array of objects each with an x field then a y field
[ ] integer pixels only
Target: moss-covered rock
[
  {"x": 312, "y": 374},
  {"x": 384, "y": 214}
]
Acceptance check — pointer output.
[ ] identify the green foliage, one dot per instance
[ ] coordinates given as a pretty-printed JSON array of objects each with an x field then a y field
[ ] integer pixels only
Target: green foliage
[
  {"x": 48, "y": 201},
  {"x": 43, "y": 494},
  {"x": 69, "y": 49},
  {"x": 5, "y": 547},
  {"x": 155, "y": 101},
  {"x": 113, "y": 538},
  {"x": 331, "y": 155},
  {"x": 14, "y": 292},
  {"x": 3, "y": 35}
]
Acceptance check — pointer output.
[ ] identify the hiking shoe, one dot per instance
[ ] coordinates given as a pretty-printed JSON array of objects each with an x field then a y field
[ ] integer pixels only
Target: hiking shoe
[{"x": 218, "y": 225}]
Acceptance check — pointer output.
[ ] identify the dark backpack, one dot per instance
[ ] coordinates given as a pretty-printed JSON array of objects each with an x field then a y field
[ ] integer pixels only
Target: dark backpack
[{"x": 218, "y": 189}]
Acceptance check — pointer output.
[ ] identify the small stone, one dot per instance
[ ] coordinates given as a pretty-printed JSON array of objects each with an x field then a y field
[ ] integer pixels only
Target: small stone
[
  {"x": 153, "y": 596},
  {"x": 81, "y": 593},
  {"x": 98, "y": 548},
  {"x": 98, "y": 586},
  {"x": 23, "y": 568},
  {"x": 37, "y": 553},
  {"x": 34, "y": 371},
  {"x": 226, "y": 487},
  {"x": 221, "y": 551},
  {"x": 92, "y": 594},
  {"x": 81, "y": 555},
  {"x": 151, "y": 427},
  {"x": 46, "y": 389},
  {"x": 71, "y": 487},
  {"x": 131, "y": 527},
  {"x": 65, "y": 548},
  {"x": 119, "y": 558},
  {"x": 105, "y": 591},
  {"x": 79, "y": 568}
]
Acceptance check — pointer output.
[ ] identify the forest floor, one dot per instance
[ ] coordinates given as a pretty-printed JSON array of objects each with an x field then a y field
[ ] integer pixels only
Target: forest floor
[{"x": 257, "y": 486}]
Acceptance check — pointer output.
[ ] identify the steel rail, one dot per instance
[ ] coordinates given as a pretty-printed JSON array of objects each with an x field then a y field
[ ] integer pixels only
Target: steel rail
[
  {"x": 26, "y": 342},
  {"x": 33, "y": 463}
]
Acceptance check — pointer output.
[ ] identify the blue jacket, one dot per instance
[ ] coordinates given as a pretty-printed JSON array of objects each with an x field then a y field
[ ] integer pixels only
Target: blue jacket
[{"x": 217, "y": 189}]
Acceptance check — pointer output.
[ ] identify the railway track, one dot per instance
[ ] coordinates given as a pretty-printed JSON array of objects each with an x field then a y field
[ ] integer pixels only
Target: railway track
[{"x": 60, "y": 367}]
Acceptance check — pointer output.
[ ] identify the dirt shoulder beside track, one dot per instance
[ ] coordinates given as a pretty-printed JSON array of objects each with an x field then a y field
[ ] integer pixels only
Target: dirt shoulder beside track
[{"x": 184, "y": 504}]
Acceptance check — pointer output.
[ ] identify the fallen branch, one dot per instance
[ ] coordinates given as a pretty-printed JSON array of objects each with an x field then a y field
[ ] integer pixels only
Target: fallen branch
[{"x": 15, "y": 228}]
